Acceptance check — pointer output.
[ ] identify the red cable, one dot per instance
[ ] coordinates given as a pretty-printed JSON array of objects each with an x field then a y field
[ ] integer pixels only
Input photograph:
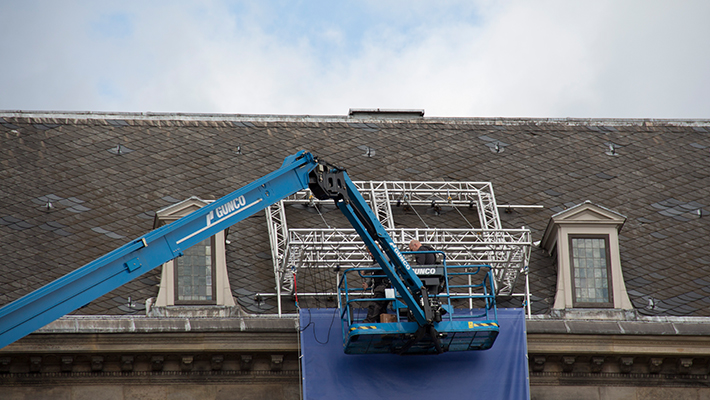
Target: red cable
[{"x": 295, "y": 288}]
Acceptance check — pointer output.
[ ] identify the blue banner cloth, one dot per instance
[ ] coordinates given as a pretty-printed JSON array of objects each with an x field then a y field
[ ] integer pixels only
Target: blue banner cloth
[{"x": 328, "y": 373}]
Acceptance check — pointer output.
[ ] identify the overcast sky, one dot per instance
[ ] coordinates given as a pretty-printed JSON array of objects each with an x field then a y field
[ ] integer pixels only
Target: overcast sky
[{"x": 469, "y": 58}]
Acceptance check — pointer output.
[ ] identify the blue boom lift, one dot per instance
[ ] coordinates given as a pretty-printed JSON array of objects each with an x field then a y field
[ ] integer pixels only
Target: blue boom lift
[{"x": 425, "y": 331}]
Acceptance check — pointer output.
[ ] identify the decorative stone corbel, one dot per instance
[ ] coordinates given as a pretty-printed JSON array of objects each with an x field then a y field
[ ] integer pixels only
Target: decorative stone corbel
[
  {"x": 157, "y": 363},
  {"x": 277, "y": 362},
  {"x": 126, "y": 363},
  {"x": 625, "y": 364},
  {"x": 35, "y": 364},
  {"x": 597, "y": 363},
  {"x": 216, "y": 362},
  {"x": 5, "y": 364},
  {"x": 568, "y": 363},
  {"x": 67, "y": 363},
  {"x": 97, "y": 363},
  {"x": 684, "y": 365},
  {"x": 654, "y": 365},
  {"x": 186, "y": 363},
  {"x": 538, "y": 363},
  {"x": 246, "y": 362}
]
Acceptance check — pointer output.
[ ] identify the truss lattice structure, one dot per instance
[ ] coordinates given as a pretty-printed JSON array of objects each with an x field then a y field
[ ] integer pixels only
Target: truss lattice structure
[{"x": 506, "y": 250}]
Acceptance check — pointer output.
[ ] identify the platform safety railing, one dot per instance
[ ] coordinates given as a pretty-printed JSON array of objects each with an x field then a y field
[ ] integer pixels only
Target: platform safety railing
[{"x": 474, "y": 284}]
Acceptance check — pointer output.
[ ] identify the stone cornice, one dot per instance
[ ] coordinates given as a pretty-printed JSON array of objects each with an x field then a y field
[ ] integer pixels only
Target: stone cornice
[
  {"x": 76, "y": 117},
  {"x": 616, "y": 322},
  {"x": 140, "y": 333},
  {"x": 619, "y": 348},
  {"x": 695, "y": 346},
  {"x": 139, "y": 323},
  {"x": 39, "y": 343}
]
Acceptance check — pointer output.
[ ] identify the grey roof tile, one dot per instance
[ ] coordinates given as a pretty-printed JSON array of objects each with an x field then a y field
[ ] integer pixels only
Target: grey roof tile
[{"x": 184, "y": 158}]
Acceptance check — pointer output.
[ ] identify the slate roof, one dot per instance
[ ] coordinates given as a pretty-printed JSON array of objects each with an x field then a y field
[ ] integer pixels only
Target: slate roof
[{"x": 655, "y": 172}]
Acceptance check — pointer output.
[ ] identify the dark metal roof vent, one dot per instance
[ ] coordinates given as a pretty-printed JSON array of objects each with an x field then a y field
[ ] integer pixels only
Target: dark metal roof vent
[
  {"x": 369, "y": 151},
  {"x": 120, "y": 150},
  {"x": 612, "y": 149},
  {"x": 496, "y": 146},
  {"x": 385, "y": 113}
]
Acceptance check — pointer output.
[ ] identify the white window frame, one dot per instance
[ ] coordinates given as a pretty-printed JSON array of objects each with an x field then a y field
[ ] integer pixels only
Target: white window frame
[{"x": 609, "y": 303}]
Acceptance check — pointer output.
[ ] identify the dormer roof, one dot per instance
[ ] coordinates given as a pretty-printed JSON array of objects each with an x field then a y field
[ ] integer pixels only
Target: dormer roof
[{"x": 583, "y": 213}]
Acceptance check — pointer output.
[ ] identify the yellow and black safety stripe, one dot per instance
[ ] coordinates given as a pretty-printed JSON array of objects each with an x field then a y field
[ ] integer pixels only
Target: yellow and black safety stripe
[
  {"x": 471, "y": 324},
  {"x": 363, "y": 327}
]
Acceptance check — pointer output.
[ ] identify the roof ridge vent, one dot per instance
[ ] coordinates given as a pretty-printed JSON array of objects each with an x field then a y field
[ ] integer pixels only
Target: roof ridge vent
[{"x": 385, "y": 113}]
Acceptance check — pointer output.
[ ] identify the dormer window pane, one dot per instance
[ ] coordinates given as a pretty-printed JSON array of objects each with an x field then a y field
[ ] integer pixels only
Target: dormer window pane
[
  {"x": 194, "y": 274},
  {"x": 590, "y": 262}
]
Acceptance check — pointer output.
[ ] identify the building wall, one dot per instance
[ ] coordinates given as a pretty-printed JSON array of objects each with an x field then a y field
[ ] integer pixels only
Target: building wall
[
  {"x": 173, "y": 391},
  {"x": 617, "y": 393}
]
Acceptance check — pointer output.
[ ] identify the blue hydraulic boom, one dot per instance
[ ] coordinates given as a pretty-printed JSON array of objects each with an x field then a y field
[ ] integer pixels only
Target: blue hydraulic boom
[
  {"x": 430, "y": 326},
  {"x": 298, "y": 172}
]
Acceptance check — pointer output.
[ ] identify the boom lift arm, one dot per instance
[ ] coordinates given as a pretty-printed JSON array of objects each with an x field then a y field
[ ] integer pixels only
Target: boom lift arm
[
  {"x": 328, "y": 182},
  {"x": 423, "y": 335},
  {"x": 157, "y": 247}
]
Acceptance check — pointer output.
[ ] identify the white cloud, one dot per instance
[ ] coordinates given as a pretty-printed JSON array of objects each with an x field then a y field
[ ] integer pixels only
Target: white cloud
[{"x": 517, "y": 58}]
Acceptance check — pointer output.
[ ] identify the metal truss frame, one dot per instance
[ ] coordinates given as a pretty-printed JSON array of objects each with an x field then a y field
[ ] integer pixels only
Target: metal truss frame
[{"x": 506, "y": 250}]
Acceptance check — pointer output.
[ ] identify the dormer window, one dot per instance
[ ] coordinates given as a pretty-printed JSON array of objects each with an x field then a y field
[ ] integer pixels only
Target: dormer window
[
  {"x": 585, "y": 240},
  {"x": 199, "y": 276}
]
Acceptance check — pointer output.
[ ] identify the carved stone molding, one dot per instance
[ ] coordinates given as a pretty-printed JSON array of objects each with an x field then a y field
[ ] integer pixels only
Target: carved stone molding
[
  {"x": 587, "y": 379},
  {"x": 650, "y": 367},
  {"x": 122, "y": 368},
  {"x": 77, "y": 363}
]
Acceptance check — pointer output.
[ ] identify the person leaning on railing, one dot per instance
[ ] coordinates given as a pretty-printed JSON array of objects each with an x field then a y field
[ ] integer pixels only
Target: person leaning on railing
[{"x": 422, "y": 258}]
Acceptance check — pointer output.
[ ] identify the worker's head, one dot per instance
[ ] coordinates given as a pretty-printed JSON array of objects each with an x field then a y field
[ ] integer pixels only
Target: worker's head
[{"x": 414, "y": 245}]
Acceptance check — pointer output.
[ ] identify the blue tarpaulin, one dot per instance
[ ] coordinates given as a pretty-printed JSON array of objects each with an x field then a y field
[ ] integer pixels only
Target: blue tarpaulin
[{"x": 498, "y": 373}]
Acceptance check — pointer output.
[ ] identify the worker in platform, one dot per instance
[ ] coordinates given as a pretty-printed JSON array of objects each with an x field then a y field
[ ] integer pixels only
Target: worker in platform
[
  {"x": 378, "y": 282},
  {"x": 426, "y": 259},
  {"x": 422, "y": 258}
]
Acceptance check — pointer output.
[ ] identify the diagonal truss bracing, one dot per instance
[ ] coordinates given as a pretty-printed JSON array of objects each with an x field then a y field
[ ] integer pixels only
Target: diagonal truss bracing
[
  {"x": 382, "y": 194},
  {"x": 506, "y": 250}
]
